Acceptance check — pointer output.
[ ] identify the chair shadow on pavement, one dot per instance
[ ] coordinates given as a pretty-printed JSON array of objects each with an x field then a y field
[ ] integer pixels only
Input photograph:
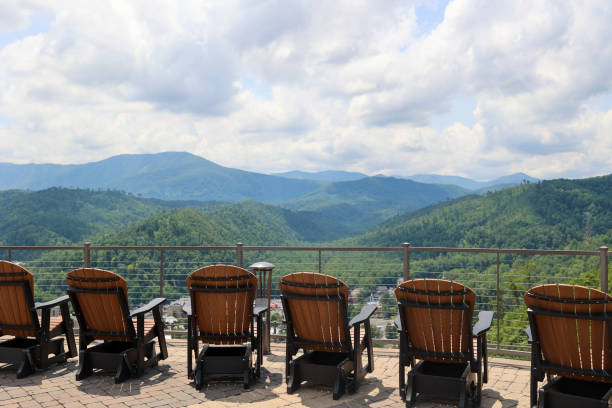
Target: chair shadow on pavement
[
  {"x": 491, "y": 398},
  {"x": 370, "y": 391},
  {"x": 8, "y": 374},
  {"x": 103, "y": 383},
  {"x": 263, "y": 389}
]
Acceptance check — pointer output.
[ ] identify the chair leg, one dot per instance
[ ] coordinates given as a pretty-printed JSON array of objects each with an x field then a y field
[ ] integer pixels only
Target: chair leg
[
  {"x": 189, "y": 348},
  {"x": 541, "y": 398},
  {"x": 410, "y": 391},
  {"x": 199, "y": 374},
  {"x": 259, "y": 361},
  {"x": 123, "y": 371},
  {"x": 485, "y": 375},
  {"x": 463, "y": 398},
  {"x": 288, "y": 358},
  {"x": 161, "y": 338},
  {"x": 480, "y": 359},
  {"x": 247, "y": 373},
  {"x": 140, "y": 352},
  {"x": 339, "y": 385},
  {"x": 533, "y": 389},
  {"x": 293, "y": 378},
  {"x": 368, "y": 341},
  {"x": 402, "y": 380},
  {"x": 85, "y": 369},
  {"x": 402, "y": 367},
  {"x": 68, "y": 328},
  {"x": 26, "y": 367},
  {"x": 43, "y": 353}
]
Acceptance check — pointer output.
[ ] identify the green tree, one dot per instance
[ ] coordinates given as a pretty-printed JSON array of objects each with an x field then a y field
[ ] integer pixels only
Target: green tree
[
  {"x": 390, "y": 331},
  {"x": 388, "y": 305},
  {"x": 375, "y": 332}
]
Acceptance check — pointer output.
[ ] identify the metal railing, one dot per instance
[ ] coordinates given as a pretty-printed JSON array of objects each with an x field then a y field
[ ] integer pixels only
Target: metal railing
[{"x": 499, "y": 276}]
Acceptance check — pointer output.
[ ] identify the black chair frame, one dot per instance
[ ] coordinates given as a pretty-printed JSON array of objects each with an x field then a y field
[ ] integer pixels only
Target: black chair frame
[
  {"x": 560, "y": 391},
  {"x": 441, "y": 379},
  {"x": 30, "y": 354},
  {"x": 126, "y": 358},
  {"x": 223, "y": 360},
  {"x": 343, "y": 370}
]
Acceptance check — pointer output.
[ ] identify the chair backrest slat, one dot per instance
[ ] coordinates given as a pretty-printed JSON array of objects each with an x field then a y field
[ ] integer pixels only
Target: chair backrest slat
[
  {"x": 222, "y": 301},
  {"x": 572, "y": 325},
  {"x": 15, "y": 302},
  {"x": 437, "y": 315},
  {"x": 102, "y": 308},
  {"x": 317, "y": 306}
]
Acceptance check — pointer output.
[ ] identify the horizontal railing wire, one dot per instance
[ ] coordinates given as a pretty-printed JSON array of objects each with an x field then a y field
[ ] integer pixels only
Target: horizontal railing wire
[{"x": 499, "y": 277}]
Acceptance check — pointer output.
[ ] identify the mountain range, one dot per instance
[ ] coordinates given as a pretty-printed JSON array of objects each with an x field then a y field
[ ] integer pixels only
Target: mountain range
[
  {"x": 326, "y": 175},
  {"x": 350, "y": 202},
  {"x": 167, "y": 176},
  {"x": 473, "y": 185},
  {"x": 184, "y": 176}
]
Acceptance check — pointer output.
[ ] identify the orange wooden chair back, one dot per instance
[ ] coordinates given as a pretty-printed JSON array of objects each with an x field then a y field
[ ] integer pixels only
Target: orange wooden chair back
[
  {"x": 102, "y": 308},
  {"x": 222, "y": 302},
  {"x": 14, "y": 303},
  {"x": 580, "y": 343},
  {"x": 433, "y": 324},
  {"x": 322, "y": 318}
]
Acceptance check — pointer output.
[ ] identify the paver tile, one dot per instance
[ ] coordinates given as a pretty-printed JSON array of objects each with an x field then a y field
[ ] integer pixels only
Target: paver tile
[{"x": 167, "y": 385}]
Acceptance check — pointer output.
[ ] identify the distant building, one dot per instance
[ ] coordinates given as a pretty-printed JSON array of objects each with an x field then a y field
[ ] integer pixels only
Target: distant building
[{"x": 175, "y": 308}]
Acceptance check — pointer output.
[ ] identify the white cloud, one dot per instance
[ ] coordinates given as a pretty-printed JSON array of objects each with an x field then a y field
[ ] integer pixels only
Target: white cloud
[{"x": 313, "y": 85}]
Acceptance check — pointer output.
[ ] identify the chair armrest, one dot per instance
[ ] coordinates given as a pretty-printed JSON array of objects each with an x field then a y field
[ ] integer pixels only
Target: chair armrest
[
  {"x": 187, "y": 309},
  {"x": 148, "y": 307},
  {"x": 484, "y": 323},
  {"x": 363, "y": 315},
  {"x": 52, "y": 303},
  {"x": 398, "y": 323},
  {"x": 258, "y": 310},
  {"x": 529, "y": 335}
]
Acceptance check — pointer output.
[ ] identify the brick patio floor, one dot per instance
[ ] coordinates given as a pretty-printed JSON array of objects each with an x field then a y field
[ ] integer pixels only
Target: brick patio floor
[{"x": 167, "y": 385}]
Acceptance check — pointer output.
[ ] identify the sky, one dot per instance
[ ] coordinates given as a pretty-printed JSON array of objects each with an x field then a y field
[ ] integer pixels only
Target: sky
[{"x": 474, "y": 88}]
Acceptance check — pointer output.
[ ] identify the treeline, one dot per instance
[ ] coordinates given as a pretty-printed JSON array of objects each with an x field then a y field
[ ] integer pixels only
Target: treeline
[{"x": 545, "y": 215}]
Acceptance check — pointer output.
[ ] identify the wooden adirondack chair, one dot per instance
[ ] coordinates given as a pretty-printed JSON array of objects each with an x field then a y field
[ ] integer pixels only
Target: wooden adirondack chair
[
  {"x": 316, "y": 312},
  {"x": 435, "y": 324},
  {"x": 222, "y": 317},
  {"x": 569, "y": 332},
  {"x": 34, "y": 340},
  {"x": 100, "y": 302}
]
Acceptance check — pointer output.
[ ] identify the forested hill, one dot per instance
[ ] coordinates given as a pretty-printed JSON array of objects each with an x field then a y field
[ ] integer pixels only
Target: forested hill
[
  {"x": 548, "y": 214},
  {"x": 62, "y": 216},
  {"x": 364, "y": 203},
  {"x": 249, "y": 222}
]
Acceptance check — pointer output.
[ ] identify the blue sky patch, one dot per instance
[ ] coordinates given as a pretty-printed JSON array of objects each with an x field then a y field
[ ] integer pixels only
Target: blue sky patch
[
  {"x": 39, "y": 23},
  {"x": 430, "y": 13}
]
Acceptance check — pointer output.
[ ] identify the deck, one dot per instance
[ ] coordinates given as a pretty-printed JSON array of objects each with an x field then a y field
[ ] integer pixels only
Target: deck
[{"x": 167, "y": 385}]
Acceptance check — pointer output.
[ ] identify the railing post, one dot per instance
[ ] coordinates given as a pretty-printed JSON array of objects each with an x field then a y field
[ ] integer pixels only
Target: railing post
[
  {"x": 87, "y": 255},
  {"x": 497, "y": 295},
  {"x": 10, "y": 255},
  {"x": 406, "y": 252},
  {"x": 239, "y": 254},
  {"x": 603, "y": 268},
  {"x": 161, "y": 273},
  {"x": 319, "y": 261}
]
